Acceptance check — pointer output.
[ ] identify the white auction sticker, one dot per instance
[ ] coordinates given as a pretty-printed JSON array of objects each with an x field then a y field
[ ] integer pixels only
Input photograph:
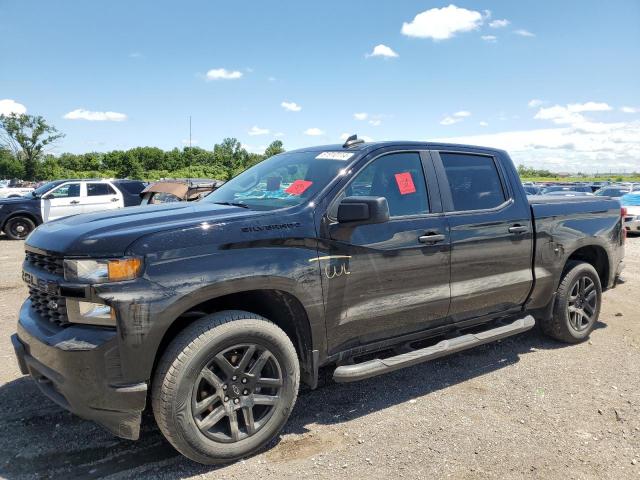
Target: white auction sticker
[{"x": 336, "y": 155}]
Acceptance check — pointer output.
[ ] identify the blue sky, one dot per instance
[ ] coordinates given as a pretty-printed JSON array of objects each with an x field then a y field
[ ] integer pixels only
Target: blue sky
[{"x": 555, "y": 83}]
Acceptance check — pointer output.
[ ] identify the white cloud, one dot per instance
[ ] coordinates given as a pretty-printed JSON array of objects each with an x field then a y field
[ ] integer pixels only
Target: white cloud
[
  {"x": 82, "y": 114},
  {"x": 258, "y": 131},
  {"x": 629, "y": 110},
  {"x": 223, "y": 74},
  {"x": 442, "y": 23},
  {"x": 8, "y": 106},
  {"x": 524, "y": 33},
  {"x": 483, "y": 124},
  {"x": 535, "y": 102},
  {"x": 570, "y": 114},
  {"x": 575, "y": 144},
  {"x": 588, "y": 148},
  {"x": 291, "y": 106},
  {"x": 449, "y": 120},
  {"x": 589, "y": 107},
  {"x": 360, "y": 116},
  {"x": 382, "y": 51},
  {"x": 278, "y": 134},
  {"x": 375, "y": 122},
  {"x": 455, "y": 118},
  {"x": 135, "y": 55},
  {"x": 489, "y": 38},
  {"x": 499, "y": 23},
  {"x": 313, "y": 132}
]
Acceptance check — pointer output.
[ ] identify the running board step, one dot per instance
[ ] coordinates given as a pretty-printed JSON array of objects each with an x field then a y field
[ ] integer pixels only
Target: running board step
[{"x": 371, "y": 368}]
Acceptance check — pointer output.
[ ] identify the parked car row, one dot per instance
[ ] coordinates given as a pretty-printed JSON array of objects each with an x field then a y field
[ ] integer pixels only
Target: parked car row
[
  {"x": 20, "y": 214},
  {"x": 577, "y": 189}
]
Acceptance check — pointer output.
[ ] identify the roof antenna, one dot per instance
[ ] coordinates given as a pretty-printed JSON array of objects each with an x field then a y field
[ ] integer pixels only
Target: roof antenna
[{"x": 351, "y": 141}]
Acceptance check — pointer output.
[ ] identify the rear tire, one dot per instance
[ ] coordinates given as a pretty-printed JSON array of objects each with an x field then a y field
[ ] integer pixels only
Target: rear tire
[
  {"x": 18, "y": 228},
  {"x": 577, "y": 304},
  {"x": 225, "y": 386}
]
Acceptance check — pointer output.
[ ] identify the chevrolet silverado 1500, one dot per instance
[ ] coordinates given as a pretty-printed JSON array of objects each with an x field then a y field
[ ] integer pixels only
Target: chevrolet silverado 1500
[{"x": 367, "y": 257}]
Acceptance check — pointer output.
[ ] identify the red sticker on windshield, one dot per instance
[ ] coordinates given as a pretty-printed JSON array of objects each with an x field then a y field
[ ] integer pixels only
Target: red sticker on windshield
[
  {"x": 298, "y": 187},
  {"x": 405, "y": 183}
]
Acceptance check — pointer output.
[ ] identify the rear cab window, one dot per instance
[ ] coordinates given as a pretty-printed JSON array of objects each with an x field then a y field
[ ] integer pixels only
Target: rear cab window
[{"x": 474, "y": 181}]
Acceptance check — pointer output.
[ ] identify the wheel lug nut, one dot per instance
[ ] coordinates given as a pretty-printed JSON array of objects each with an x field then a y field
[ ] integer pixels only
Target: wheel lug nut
[
  {"x": 226, "y": 399},
  {"x": 234, "y": 378},
  {"x": 244, "y": 380},
  {"x": 237, "y": 400},
  {"x": 224, "y": 387},
  {"x": 245, "y": 392}
]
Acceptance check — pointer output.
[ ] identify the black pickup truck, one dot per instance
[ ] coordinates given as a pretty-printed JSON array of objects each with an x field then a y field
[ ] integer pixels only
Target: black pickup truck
[{"x": 367, "y": 257}]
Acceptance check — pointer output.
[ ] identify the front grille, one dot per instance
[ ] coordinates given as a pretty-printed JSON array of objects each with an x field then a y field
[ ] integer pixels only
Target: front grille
[
  {"x": 50, "y": 307},
  {"x": 48, "y": 263}
]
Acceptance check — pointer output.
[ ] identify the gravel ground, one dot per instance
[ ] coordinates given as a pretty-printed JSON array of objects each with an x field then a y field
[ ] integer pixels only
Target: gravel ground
[{"x": 523, "y": 407}]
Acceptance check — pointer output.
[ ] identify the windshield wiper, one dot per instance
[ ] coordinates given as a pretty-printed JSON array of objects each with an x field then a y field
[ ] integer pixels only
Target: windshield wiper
[{"x": 241, "y": 205}]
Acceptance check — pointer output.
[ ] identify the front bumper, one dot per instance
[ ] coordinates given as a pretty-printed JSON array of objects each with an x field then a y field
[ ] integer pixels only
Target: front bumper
[{"x": 73, "y": 367}]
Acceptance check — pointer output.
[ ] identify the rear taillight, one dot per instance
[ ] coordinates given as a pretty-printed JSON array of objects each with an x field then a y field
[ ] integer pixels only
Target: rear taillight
[{"x": 623, "y": 212}]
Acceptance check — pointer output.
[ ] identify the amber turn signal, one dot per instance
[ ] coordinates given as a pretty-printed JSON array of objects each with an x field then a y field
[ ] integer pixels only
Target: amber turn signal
[{"x": 124, "y": 269}]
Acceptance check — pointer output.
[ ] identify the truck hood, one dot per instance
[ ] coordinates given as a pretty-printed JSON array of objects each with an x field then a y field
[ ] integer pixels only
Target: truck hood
[{"x": 110, "y": 233}]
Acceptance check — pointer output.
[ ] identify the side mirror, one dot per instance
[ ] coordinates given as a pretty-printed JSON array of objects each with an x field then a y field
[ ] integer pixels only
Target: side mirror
[
  {"x": 49, "y": 196},
  {"x": 363, "y": 210}
]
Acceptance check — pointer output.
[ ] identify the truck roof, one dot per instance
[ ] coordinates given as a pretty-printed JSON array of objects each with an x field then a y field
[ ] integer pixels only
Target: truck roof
[{"x": 369, "y": 146}]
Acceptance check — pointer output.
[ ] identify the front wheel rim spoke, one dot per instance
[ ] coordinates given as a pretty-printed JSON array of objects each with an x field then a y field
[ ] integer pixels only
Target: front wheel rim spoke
[
  {"x": 233, "y": 425},
  {"x": 224, "y": 365},
  {"x": 260, "y": 363},
  {"x": 246, "y": 358},
  {"x": 214, "y": 417},
  {"x": 247, "y": 412},
  {"x": 260, "y": 399},
  {"x": 202, "y": 405},
  {"x": 269, "y": 382},
  {"x": 211, "y": 378}
]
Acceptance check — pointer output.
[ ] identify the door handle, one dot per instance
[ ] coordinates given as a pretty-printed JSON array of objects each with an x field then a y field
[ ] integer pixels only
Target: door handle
[
  {"x": 74, "y": 202},
  {"x": 518, "y": 229},
  {"x": 431, "y": 238},
  {"x": 114, "y": 199}
]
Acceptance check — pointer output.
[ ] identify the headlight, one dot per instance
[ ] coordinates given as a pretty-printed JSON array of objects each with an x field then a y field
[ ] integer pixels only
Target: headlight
[{"x": 100, "y": 271}]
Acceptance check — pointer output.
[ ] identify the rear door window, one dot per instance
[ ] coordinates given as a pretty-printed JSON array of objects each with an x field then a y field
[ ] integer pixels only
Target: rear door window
[
  {"x": 474, "y": 181},
  {"x": 97, "y": 189}
]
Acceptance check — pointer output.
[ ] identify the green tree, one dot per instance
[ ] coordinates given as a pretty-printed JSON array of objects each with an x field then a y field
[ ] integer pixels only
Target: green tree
[
  {"x": 27, "y": 136},
  {"x": 10, "y": 166},
  {"x": 274, "y": 149},
  {"x": 231, "y": 156}
]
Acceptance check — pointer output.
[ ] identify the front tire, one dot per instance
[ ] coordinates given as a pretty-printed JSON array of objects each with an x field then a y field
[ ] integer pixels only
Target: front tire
[
  {"x": 19, "y": 228},
  {"x": 577, "y": 304},
  {"x": 225, "y": 386}
]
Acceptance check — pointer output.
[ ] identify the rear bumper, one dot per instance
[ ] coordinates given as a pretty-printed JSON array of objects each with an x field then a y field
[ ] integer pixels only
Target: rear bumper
[
  {"x": 73, "y": 367},
  {"x": 632, "y": 225}
]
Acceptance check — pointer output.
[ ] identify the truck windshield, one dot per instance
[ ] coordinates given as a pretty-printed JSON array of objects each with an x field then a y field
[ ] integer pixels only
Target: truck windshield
[{"x": 283, "y": 180}]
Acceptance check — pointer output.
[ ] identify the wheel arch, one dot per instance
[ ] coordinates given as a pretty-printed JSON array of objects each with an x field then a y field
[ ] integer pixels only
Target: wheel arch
[
  {"x": 30, "y": 215},
  {"x": 278, "y": 306},
  {"x": 594, "y": 255}
]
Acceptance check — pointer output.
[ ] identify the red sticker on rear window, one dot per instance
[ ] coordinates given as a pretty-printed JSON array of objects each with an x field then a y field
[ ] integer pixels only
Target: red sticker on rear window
[
  {"x": 298, "y": 187},
  {"x": 405, "y": 183}
]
